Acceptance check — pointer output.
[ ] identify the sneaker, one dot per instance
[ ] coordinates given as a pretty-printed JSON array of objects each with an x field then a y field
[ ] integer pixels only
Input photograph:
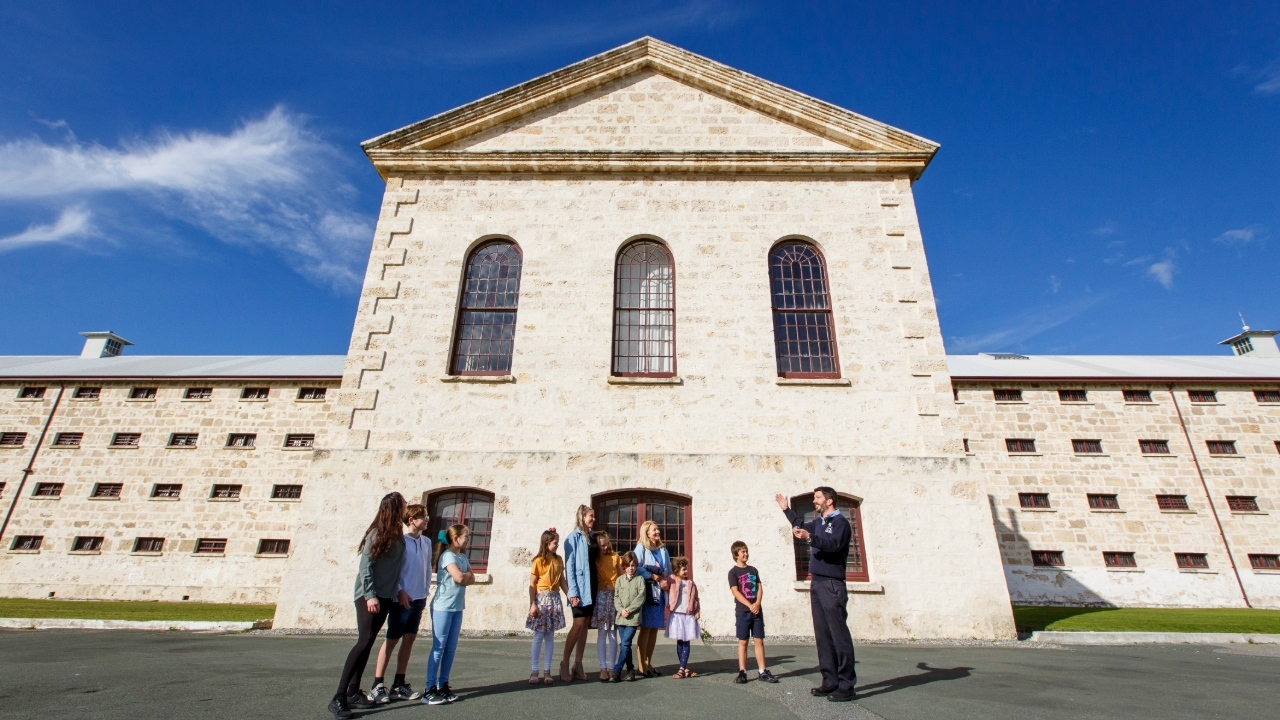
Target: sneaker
[
  {"x": 379, "y": 696},
  {"x": 742, "y": 677},
  {"x": 360, "y": 701},
  {"x": 433, "y": 697},
  {"x": 404, "y": 692},
  {"x": 768, "y": 677},
  {"x": 631, "y": 675},
  {"x": 338, "y": 706},
  {"x": 615, "y": 676},
  {"x": 449, "y": 695}
]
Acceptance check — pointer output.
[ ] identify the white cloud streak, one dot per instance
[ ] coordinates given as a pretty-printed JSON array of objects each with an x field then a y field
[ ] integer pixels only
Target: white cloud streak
[
  {"x": 1022, "y": 327},
  {"x": 269, "y": 183},
  {"x": 73, "y": 224},
  {"x": 1240, "y": 236},
  {"x": 1162, "y": 272}
]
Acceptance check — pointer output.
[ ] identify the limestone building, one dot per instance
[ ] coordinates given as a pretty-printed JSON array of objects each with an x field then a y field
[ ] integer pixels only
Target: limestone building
[{"x": 668, "y": 289}]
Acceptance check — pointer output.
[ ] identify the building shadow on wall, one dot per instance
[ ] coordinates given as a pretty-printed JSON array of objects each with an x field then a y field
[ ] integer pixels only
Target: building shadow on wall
[{"x": 1040, "y": 595}]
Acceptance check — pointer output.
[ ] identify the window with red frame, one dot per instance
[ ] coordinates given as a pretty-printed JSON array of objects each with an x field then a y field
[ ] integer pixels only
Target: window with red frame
[
  {"x": 804, "y": 336},
  {"x": 1242, "y": 503},
  {"x": 1222, "y": 447},
  {"x": 1192, "y": 561},
  {"x": 1047, "y": 558},
  {"x": 1154, "y": 447},
  {"x": 1033, "y": 500},
  {"x": 1202, "y": 396},
  {"x": 855, "y": 570},
  {"x": 1264, "y": 561},
  {"x": 621, "y": 514},
  {"x": 1172, "y": 502},
  {"x": 1120, "y": 559},
  {"x": 473, "y": 508},
  {"x": 486, "y": 327},
  {"x": 644, "y": 311},
  {"x": 1267, "y": 396},
  {"x": 1103, "y": 501}
]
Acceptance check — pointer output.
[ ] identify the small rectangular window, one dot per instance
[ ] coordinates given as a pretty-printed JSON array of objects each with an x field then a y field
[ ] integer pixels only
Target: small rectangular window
[
  {"x": 148, "y": 545},
  {"x": 1222, "y": 447},
  {"x": 107, "y": 490},
  {"x": 1192, "y": 561},
  {"x": 27, "y": 542},
  {"x": 13, "y": 439},
  {"x": 142, "y": 393},
  {"x": 1137, "y": 396},
  {"x": 1267, "y": 396},
  {"x": 1242, "y": 503},
  {"x": 68, "y": 439},
  {"x": 255, "y": 393},
  {"x": 1203, "y": 396},
  {"x": 1007, "y": 395},
  {"x": 126, "y": 439},
  {"x": 86, "y": 543},
  {"x": 31, "y": 393},
  {"x": 311, "y": 393},
  {"x": 184, "y": 439},
  {"x": 1, "y": 488},
  {"x": 1103, "y": 501},
  {"x": 166, "y": 490},
  {"x": 299, "y": 440},
  {"x": 1154, "y": 447},
  {"x": 211, "y": 546},
  {"x": 226, "y": 492},
  {"x": 1119, "y": 559},
  {"x": 1264, "y": 561},
  {"x": 286, "y": 492},
  {"x": 273, "y": 547},
  {"x": 1047, "y": 558},
  {"x": 1172, "y": 502},
  {"x": 48, "y": 490},
  {"x": 1033, "y": 500},
  {"x": 1023, "y": 445},
  {"x": 1073, "y": 395},
  {"x": 241, "y": 440},
  {"x": 198, "y": 393},
  {"x": 1278, "y": 446},
  {"x": 1087, "y": 447},
  {"x": 955, "y": 394},
  {"x": 966, "y": 444},
  {"x": 87, "y": 393}
]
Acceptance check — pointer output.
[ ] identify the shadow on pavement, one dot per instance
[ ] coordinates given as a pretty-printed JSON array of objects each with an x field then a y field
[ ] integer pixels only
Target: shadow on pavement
[{"x": 930, "y": 675}]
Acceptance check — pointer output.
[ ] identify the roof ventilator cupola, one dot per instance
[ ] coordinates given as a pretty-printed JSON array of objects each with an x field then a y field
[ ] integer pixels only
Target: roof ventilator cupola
[{"x": 102, "y": 345}]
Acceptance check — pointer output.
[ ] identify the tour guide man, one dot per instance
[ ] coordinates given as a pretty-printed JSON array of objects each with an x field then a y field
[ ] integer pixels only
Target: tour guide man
[{"x": 828, "y": 537}]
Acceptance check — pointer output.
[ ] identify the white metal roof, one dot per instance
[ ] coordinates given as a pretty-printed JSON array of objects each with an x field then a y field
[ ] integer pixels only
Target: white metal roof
[
  {"x": 1130, "y": 367},
  {"x": 174, "y": 366}
]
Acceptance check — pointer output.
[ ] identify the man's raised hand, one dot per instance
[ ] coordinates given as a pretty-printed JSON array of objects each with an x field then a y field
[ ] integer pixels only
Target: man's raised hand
[{"x": 782, "y": 502}]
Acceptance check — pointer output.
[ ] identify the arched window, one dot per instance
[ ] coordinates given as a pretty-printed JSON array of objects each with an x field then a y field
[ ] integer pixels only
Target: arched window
[
  {"x": 473, "y": 508},
  {"x": 804, "y": 336},
  {"x": 487, "y": 314},
  {"x": 622, "y": 513},
  {"x": 854, "y": 570},
  {"x": 644, "y": 311}
]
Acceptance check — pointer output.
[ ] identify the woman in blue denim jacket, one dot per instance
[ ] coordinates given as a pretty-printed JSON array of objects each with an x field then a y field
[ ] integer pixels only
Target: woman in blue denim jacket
[
  {"x": 655, "y": 565},
  {"x": 580, "y": 572}
]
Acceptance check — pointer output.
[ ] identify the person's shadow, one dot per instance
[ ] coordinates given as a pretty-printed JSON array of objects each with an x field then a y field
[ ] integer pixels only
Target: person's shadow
[{"x": 930, "y": 675}]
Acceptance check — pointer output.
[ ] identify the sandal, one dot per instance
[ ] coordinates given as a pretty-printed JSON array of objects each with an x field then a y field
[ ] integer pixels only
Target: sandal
[
  {"x": 564, "y": 671},
  {"x": 549, "y": 679},
  {"x": 535, "y": 679},
  {"x": 679, "y": 674},
  {"x": 579, "y": 673}
]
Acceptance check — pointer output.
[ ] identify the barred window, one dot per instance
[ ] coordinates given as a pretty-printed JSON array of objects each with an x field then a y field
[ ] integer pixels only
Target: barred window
[
  {"x": 87, "y": 393},
  {"x": 166, "y": 490},
  {"x": 126, "y": 439},
  {"x": 31, "y": 393},
  {"x": 1047, "y": 558},
  {"x": 1192, "y": 561},
  {"x": 473, "y": 508},
  {"x": 1242, "y": 503},
  {"x": 198, "y": 393},
  {"x": 1087, "y": 447},
  {"x": 107, "y": 490},
  {"x": 148, "y": 545},
  {"x": 1103, "y": 501},
  {"x": 855, "y": 568},
  {"x": 241, "y": 440},
  {"x": 1264, "y": 561},
  {"x": 1033, "y": 500},
  {"x": 184, "y": 439},
  {"x": 1203, "y": 396},
  {"x": 1120, "y": 559},
  {"x": 966, "y": 444},
  {"x": 1007, "y": 394},
  {"x": 273, "y": 547},
  {"x": 804, "y": 335},
  {"x": 312, "y": 393},
  {"x": 85, "y": 543},
  {"x": 1073, "y": 395},
  {"x": 13, "y": 439},
  {"x": 68, "y": 439},
  {"x": 1137, "y": 396},
  {"x": 1020, "y": 445},
  {"x": 485, "y": 337},
  {"x": 286, "y": 492},
  {"x": 255, "y": 393},
  {"x": 48, "y": 490},
  {"x": 211, "y": 546},
  {"x": 1154, "y": 447},
  {"x": 644, "y": 311},
  {"x": 300, "y": 440},
  {"x": 1172, "y": 502},
  {"x": 27, "y": 542},
  {"x": 1267, "y": 396},
  {"x": 1222, "y": 447},
  {"x": 226, "y": 492},
  {"x": 142, "y": 393}
]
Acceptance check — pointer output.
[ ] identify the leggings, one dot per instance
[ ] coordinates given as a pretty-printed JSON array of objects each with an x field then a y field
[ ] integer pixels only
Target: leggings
[
  {"x": 682, "y": 652},
  {"x": 625, "y": 634},
  {"x": 369, "y": 625},
  {"x": 607, "y": 647},
  {"x": 544, "y": 643},
  {"x": 445, "y": 626}
]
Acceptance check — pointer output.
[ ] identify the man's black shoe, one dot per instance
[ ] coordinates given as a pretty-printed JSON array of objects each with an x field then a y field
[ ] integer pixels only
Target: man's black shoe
[
  {"x": 821, "y": 691},
  {"x": 742, "y": 677},
  {"x": 842, "y": 697},
  {"x": 338, "y": 706}
]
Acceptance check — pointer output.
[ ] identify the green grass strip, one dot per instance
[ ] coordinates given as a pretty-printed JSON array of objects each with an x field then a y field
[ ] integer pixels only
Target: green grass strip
[
  {"x": 133, "y": 610},
  {"x": 1186, "y": 620}
]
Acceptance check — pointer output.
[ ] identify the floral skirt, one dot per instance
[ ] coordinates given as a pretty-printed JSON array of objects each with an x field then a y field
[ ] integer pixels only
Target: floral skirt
[
  {"x": 605, "y": 611},
  {"x": 550, "y": 613},
  {"x": 683, "y": 626}
]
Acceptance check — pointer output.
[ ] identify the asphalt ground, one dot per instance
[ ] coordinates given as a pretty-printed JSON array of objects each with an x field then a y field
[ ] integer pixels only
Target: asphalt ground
[{"x": 178, "y": 675}]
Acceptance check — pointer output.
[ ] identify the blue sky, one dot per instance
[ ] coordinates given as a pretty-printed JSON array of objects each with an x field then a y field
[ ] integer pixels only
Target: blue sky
[{"x": 189, "y": 174}]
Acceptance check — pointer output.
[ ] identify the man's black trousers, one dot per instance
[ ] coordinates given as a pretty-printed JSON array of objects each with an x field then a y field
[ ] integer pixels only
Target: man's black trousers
[{"x": 828, "y": 598}]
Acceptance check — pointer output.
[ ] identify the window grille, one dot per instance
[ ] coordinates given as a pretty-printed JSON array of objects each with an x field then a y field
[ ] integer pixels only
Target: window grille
[
  {"x": 1172, "y": 502},
  {"x": 1073, "y": 395},
  {"x": 1242, "y": 503},
  {"x": 31, "y": 393},
  {"x": 1192, "y": 561},
  {"x": 286, "y": 492},
  {"x": 622, "y": 513},
  {"x": 1203, "y": 396},
  {"x": 1020, "y": 445},
  {"x": 1243, "y": 346},
  {"x": 68, "y": 439},
  {"x": 1222, "y": 447},
  {"x": 300, "y": 440},
  {"x": 27, "y": 542},
  {"x": 855, "y": 569},
  {"x": 87, "y": 393},
  {"x": 1087, "y": 447},
  {"x": 1264, "y": 561},
  {"x": 226, "y": 492},
  {"x": 242, "y": 440},
  {"x": 1154, "y": 447},
  {"x": 804, "y": 335},
  {"x": 13, "y": 439},
  {"x": 1103, "y": 501},
  {"x": 126, "y": 439},
  {"x": 273, "y": 547},
  {"x": 48, "y": 490},
  {"x": 312, "y": 393},
  {"x": 1033, "y": 500},
  {"x": 166, "y": 490},
  {"x": 198, "y": 393},
  {"x": 644, "y": 310},
  {"x": 142, "y": 393},
  {"x": 472, "y": 508},
  {"x": 255, "y": 393},
  {"x": 1007, "y": 395},
  {"x": 1119, "y": 559},
  {"x": 86, "y": 544},
  {"x": 1137, "y": 396},
  {"x": 485, "y": 337},
  {"x": 211, "y": 546},
  {"x": 148, "y": 545},
  {"x": 1047, "y": 558},
  {"x": 1267, "y": 396},
  {"x": 966, "y": 444},
  {"x": 184, "y": 439},
  {"x": 107, "y": 490}
]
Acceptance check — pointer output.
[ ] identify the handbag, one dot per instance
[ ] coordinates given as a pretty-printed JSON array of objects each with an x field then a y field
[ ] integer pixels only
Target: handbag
[{"x": 652, "y": 590}]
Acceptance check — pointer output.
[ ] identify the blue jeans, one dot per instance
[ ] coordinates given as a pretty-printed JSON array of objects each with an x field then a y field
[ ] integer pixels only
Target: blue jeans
[
  {"x": 626, "y": 633},
  {"x": 445, "y": 626}
]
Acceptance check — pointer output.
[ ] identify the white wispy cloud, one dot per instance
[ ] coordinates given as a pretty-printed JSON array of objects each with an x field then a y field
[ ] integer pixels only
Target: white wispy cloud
[
  {"x": 1241, "y": 236},
  {"x": 1105, "y": 229},
  {"x": 73, "y": 224},
  {"x": 270, "y": 182},
  {"x": 1269, "y": 80},
  {"x": 1019, "y": 328},
  {"x": 1162, "y": 272}
]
